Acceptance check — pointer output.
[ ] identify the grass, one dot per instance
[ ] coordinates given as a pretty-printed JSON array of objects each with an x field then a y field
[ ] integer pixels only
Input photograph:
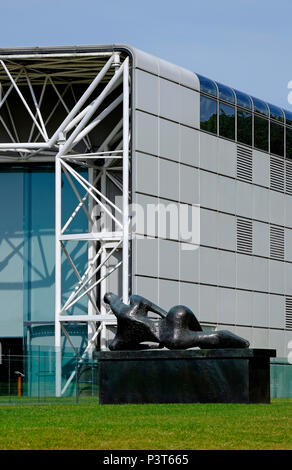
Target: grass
[{"x": 150, "y": 427}]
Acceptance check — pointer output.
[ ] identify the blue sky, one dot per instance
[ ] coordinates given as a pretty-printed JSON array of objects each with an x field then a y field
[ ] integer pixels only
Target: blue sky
[{"x": 243, "y": 43}]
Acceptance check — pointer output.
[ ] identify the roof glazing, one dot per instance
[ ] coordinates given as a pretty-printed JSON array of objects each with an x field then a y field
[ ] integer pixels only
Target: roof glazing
[{"x": 244, "y": 100}]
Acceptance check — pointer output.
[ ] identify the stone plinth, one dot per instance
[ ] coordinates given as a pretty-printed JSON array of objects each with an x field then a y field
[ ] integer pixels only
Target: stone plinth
[{"x": 185, "y": 376}]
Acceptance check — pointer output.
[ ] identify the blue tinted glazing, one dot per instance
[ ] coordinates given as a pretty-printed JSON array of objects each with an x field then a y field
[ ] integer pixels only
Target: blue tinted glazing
[
  {"x": 288, "y": 115},
  {"x": 39, "y": 234},
  {"x": 226, "y": 93},
  {"x": 260, "y": 106},
  {"x": 11, "y": 253},
  {"x": 207, "y": 85},
  {"x": 243, "y": 100},
  {"x": 27, "y": 252},
  {"x": 276, "y": 113}
]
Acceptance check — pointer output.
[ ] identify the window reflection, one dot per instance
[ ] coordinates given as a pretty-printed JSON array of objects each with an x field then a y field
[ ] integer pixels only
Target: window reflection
[
  {"x": 276, "y": 113},
  {"x": 289, "y": 143},
  {"x": 243, "y": 100},
  {"x": 260, "y": 107},
  {"x": 288, "y": 115},
  {"x": 261, "y": 133},
  {"x": 254, "y": 121},
  {"x": 208, "y": 114},
  {"x": 226, "y": 121},
  {"x": 277, "y": 139},
  {"x": 207, "y": 85},
  {"x": 244, "y": 127},
  {"x": 226, "y": 93}
]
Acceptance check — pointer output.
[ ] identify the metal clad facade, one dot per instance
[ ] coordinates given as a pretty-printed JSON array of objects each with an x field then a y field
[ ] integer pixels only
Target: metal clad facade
[{"x": 234, "y": 280}]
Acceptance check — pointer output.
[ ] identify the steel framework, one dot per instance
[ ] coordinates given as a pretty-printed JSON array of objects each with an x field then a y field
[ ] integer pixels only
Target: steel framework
[{"x": 75, "y": 142}]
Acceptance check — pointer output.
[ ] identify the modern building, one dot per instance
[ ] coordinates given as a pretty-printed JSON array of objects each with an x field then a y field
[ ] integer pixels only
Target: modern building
[{"x": 103, "y": 150}]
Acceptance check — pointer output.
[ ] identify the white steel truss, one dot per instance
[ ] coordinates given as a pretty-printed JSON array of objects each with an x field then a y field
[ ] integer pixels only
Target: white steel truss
[{"x": 73, "y": 142}]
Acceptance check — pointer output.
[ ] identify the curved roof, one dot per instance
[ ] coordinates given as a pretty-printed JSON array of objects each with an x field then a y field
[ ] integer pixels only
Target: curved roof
[{"x": 172, "y": 72}]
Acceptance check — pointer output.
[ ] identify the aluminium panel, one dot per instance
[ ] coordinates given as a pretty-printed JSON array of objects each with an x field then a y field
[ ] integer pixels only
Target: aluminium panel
[
  {"x": 226, "y": 231},
  {"x": 226, "y": 194},
  {"x": 189, "y": 295},
  {"x": 243, "y": 269},
  {"x": 261, "y": 168},
  {"x": 189, "y": 185},
  {"x": 146, "y": 138},
  {"x": 243, "y": 308},
  {"x": 209, "y": 228},
  {"x": 168, "y": 179},
  {"x": 277, "y": 341},
  {"x": 146, "y": 256},
  {"x": 260, "y": 336},
  {"x": 168, "y": 293},
  {"x": 189, "y": 146},
  {"x": 244, "y": 199},
  {"x": 189, "y": 261},
  {"x": 147, "y": 287},
  {"x": 288, "y": 244},
  {"x": 146, "y": 173},
  {"x": 277, "y": 208},
  {"x": 147, "y": 91},
  {"x": 276, "y": 311},
  {"x": 261, "y": 238},
  {"x": 226, "y": 161},
  {"x": 260, "y": 274},
  {"x": 260, "y": 204},
  {"x": 276, "y": 277},
  {"x": 168, "y": 259},
  {"x": 169, "y": 139},
  {"x": 226, "y": 306},
  {"x": 226, "y": 269},
  {"x": 208, "y": 265},
  {"x": 260, "y": 315},
  {"x": 288, "y": 210},
  {"x": 208, "y": 304}
]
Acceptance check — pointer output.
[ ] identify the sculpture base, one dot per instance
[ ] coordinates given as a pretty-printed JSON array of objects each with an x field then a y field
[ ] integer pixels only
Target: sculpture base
[{"x": 185, "y": 376}]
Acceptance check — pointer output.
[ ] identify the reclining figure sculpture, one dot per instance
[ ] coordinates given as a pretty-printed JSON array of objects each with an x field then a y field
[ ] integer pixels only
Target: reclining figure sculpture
[{"x": 176, "y": 329}]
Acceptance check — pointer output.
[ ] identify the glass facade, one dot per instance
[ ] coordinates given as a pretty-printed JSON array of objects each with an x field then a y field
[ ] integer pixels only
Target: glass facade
[
  {"x": 277, "y": 139},
  {"x": 243, "y": 100},
  {"x": 208, "y": 114},
  {"x": 261, "y": 133},
  {"x": 27, "y": 254},
  {"x": 227, "y": 121},
  {"x": 260, "y": 107},
  {"x": 226, "y": 93},
  {"x": 244, "y": 127},
  {"x": 245, "y": 119},
  {"x": 289, "y": 143}
]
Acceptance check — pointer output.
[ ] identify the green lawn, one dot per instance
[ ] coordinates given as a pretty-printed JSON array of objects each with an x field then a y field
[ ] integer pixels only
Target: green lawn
[{"x": 160, "y": 427}]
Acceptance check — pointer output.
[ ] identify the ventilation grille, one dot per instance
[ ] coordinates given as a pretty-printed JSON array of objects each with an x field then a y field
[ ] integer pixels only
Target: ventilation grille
[
  {"x": 244, "y": 236},
  {"x": 288, "y": 178},
  {"x": 244, "y": 164},
  {"x": 288, "y": 312},
  {"x": 277, "y": 174},
  {"x": 277, "y": 242}
]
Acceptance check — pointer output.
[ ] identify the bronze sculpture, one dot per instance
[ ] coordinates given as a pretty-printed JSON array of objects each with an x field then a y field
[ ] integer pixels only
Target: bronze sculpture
[{"x": 176, "y": 329}]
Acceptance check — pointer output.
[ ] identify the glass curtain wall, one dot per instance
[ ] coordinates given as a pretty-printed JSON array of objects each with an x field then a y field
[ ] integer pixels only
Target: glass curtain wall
[
  {"x": 234, "y": 115},
  {"x": 27, "y": 261}
]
